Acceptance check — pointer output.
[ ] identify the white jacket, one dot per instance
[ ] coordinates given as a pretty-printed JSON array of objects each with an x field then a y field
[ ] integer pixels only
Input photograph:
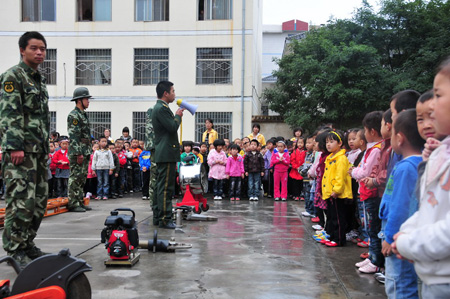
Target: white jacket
[
  {"x": 102, "y": 159},
  {"x": 427, "y": 233}
]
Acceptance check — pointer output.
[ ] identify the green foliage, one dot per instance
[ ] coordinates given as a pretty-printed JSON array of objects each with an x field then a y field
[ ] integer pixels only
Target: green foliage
[{"x": 341, "y": 71}]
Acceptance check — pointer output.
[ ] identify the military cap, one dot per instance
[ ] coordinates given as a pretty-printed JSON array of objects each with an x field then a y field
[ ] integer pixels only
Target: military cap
[{"x": 81, "y": 93}]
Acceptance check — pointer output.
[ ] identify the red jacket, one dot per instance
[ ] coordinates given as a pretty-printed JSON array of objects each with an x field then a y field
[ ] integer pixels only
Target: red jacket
[
  {"x": 59, "y": 157},
  {"x": 280, "y": 166},
  {"x": 297, "y": 160},
  {"x": 52, "y": 163}
]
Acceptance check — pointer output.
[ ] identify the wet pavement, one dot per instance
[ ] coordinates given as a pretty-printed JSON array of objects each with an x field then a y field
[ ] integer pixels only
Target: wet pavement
[{"x": 255, "y": 250}]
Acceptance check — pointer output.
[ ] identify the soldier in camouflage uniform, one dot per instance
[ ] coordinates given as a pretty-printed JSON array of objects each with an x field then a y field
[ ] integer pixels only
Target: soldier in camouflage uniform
[
  {"x": 150, "y": 146},
  {"x": 80, "y": 149},
  {"x": 25, "y": 125}
]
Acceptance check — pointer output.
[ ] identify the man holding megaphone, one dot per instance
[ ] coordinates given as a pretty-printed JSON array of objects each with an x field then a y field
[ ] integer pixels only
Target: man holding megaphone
[{"x": 167, "y": 152}]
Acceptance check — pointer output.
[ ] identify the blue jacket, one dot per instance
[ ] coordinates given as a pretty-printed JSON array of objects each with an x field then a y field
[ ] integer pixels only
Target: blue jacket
[
  {"x": 399, "y": 201},
  {"x": 144, "y": 159}
]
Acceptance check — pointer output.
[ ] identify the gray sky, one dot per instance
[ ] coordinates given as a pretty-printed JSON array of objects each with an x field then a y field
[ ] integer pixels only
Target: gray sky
[{"x": 315, "y": 11}]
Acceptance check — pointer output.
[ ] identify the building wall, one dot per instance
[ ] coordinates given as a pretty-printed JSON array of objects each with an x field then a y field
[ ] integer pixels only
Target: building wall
[{"x": 182, "y": 35}]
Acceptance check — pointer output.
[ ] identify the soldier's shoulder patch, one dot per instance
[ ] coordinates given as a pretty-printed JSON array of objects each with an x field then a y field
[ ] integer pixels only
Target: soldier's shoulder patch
[
  {"x": 75, "y": 122},
  {"x": 165, "y": 105},
  {"x": 8, "y": 86}
]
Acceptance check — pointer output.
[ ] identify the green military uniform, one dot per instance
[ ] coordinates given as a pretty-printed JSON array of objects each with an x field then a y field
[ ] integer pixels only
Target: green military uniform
[
  {"x": 79, "y": 131},
  {"x": 25, "y": 125},
  {"x": 167, "y": 154},
  {"x": 150, "y": 146}
]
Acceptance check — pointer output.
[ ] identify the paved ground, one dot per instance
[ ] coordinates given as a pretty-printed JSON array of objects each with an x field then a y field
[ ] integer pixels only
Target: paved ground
[{"x": 256, "y": 250}]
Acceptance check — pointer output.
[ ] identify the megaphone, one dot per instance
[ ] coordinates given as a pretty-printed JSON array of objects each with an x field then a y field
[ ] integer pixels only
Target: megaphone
[{"x": 189, "y": 107}]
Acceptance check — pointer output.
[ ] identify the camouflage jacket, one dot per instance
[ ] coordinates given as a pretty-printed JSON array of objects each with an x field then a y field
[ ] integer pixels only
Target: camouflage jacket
[
  {"x": 79, "y": 131},
  {"x": 149, "y": 132},
  {"x": 24, "y": 114}
]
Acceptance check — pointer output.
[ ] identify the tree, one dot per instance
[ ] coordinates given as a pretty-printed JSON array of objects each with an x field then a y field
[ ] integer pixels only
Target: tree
[{"x": 340, "y": 72}]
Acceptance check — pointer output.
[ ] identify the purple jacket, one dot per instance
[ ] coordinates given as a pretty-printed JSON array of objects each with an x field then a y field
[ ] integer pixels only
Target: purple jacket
[
  {"x": 267, "y": 158},
  {"x": 235, "y": 167}
]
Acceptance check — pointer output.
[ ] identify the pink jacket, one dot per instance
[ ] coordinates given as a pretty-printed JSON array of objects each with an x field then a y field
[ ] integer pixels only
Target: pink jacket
[
  {"x": 235, "y": 167},
  {"x": 280, "y": 166},
  {"x": 216, "y": 170},
  {"x": 364, "y": 169},
  {"x": 90, "y": 174}
]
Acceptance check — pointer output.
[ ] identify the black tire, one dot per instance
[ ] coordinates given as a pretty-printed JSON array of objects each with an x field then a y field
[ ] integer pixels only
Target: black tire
[
  {"x": 79, "y": 287},
  {"x": 197, "y": 210},
  {"x": 205, "y": 208}
]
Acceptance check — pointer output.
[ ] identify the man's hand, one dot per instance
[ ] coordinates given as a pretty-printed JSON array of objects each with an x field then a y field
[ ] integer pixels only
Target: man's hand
[
  {"x": 17, "y": 157},
  {"x": 386, "y": 249},
  {"x": 180, "y": 111},
  {"x": 80, "y": 159}
]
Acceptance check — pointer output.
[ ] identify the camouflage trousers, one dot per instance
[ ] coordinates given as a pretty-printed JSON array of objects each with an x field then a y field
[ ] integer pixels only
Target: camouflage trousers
[
  {"x": 26, "y": 196},
  {"x": 77, "y": 179}
]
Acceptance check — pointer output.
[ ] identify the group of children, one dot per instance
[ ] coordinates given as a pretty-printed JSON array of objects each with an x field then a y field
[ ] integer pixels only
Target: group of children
[
  {"x": 115, "y": 168},
  {"x": 375, "y": 187}
]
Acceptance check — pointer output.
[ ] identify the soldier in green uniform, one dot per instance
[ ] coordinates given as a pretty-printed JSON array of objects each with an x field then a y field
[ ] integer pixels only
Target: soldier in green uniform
[
  {"x": 167, "y": 152},
  {"x": 80, "y": 149},
  {"x": 25, "y": 125},
  {"x": 150, "y": 146}
]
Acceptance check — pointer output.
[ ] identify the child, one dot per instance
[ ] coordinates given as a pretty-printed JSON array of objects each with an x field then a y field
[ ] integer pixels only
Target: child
[
  {"x": 113, "y": 192},
  {"x": 424, "y": 237},
  {"x": 217, "y": 161},
  {"x": 268, "y": 176},
  {"x": 62, "y": 173},
  {"x": 52, "y": 166},
  {"x": 309, "y": 160},
  {"x": 354, "y": 152},
  {"x": 280, "y": 162},
  {"x": 145, "y": 163},
  {"x": 336, "y": 188},
  {"x": 90, "y": 187},
  {"x": 254, "y": 170},
  {"x": 120, "y": 181},
  {"x": 372, "y": 132},
  {"x": 297, "y": 160},
  {"x": 425, "y": 122},
  {"x": 235, "y": 172},
  {"x": 399, "y": 203},
  {"x": 102, "y": 166},
  {"x": 129, "y": 167},
  {"x": 126, "y": 135},
  {"x": 136, "y": 151},
  {"x": 188, "y": 157},
  {"x": 196, "y": 151}
]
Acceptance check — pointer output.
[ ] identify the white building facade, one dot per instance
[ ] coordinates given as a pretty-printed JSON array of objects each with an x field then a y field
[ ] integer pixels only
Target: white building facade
[{"x": 210, "y": 49}]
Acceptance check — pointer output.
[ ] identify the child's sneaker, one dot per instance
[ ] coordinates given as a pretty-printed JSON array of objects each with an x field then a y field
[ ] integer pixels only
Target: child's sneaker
[
  {"x": 317, "y": 227},
  {"x": 315, "y": 220},
  {"x": 331, "y": 244},
  {"x": 219, "y": 197},
  {"x": 105, "y": 198},
  {"x": 98, "y": 198},
  {"x": 364, "y": 255},
  {"x": 216, "y": 197},
  {"x": 306, "y": 214},
  {"x": 255, "y": 198},
  {"x": 232, "y": 198},
  {"x": 283, "y": 199},
  {"x": 237, "y": 198},
  {"x": 369, "y": 268},
  {"x": 362, "y": 264},
  {"x": 318, "y": 238},
  {"x": 296, "y": 199},
  {"x": 88, "y": 195},
  {"x": 277, "y": 198},
  {"x": 302, "y": 198},
  {"x": 363, "y": 244}
]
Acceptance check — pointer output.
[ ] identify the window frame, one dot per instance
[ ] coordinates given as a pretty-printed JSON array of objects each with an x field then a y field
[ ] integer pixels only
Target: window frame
[
  {"x": 224, "y": 128},
  {"x": 139, "y": 125},
  {"x": 39, "y": 10},
  {"x": 140, "y": 81},
  {"x": 79, "y": 8},
  {"x": 49, "y": 67},
  {"x": 165, "y": 11},
  {"x": 99, "y": 121},
  {"x": 102, "y": 75},
  {"x": 217, "y": 79},
  {"x": 208, "y": 3}
]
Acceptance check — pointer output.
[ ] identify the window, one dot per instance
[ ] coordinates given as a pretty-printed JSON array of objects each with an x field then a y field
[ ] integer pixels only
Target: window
[
  {"x": 99, "y": 122},
  {"x": 152, "y": 10},
  {"x": 93, "y": 10},
  {"x": 222, "y": 124},
  {"x": 214, "y": 65},
  {"x": 93, "y": 67},
  {"x": 52, "y": 121},
  {"x": 38, "y": 10},
  {"x": 48, "y": 67},
  {"x": 215, "y": 9},
  {"x": 150, "y": 66},
  {"x": 139, "y": 119}
]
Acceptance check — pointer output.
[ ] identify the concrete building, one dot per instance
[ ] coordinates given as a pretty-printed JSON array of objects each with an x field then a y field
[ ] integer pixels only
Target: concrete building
[{"x": 210, "y": 49}]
